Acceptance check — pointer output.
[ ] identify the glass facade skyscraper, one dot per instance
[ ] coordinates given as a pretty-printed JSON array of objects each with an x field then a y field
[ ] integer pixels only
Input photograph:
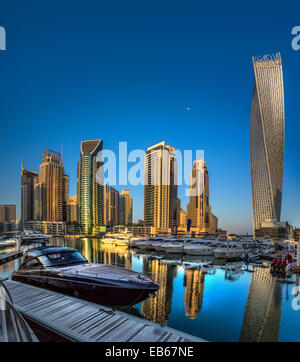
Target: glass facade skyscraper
[
  {"x": 90, "y": 186},
  {"x": 267, "y": 139},
  {"x": 160, "y": 190},
  {"x": 28, "y": 180},
  {"x": 53, "y": 193},
  {"x": 125, "y": 206},
  {"x": 198, "y": 208}
]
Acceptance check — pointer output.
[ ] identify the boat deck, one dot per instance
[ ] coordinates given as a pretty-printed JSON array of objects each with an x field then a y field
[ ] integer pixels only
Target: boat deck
[{"x": 78, "y": 320}]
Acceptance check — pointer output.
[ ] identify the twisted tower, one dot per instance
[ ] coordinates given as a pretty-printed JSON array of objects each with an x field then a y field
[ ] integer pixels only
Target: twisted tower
[{"x": 267, "y": 139}]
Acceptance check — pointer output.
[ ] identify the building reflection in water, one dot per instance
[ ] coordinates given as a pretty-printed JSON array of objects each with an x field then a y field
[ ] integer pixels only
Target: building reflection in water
[
  {"x": 95, "y": 252},
  {"x": 194, "y": 289},
  {"x": 8, "y": 268},
  {"x": 115, "y": 255},
  {"x": 263, "y": 310},
  {"x": 158, "y": 309}
]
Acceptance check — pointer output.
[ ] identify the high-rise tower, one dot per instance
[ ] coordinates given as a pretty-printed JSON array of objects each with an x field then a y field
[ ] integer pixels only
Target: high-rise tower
[
  {"x": 53, "y": 180},
  {"x": 90, "y": 186},
  {"x": 198, "y": 208},
  {"x": 160, "y": 190},
  {"x": 125, "y": 207},
  {"x": 267, "y": 139},
  {"x": 28, "y": 180},
  {"x": 111, "y": 206}
]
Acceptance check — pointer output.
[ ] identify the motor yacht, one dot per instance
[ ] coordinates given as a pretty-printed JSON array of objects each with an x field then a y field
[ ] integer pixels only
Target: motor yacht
[
  {"x": 251, "y": 253},
  {"x": 30, "y": 236},
  {"x": 204, "y": 248},
  {"x": 8, "y": 242},
  {"x": 129, "y": 241},
  {"x": 173, "y": 246},
  {"x": 67, "y": 271},
  {"x": 229, "y": 251},
  {"x": 149, "y": 243}
]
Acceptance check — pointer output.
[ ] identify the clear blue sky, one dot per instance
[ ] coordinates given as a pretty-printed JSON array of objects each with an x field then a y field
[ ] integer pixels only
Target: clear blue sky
[{"x": 127, "y": 70}]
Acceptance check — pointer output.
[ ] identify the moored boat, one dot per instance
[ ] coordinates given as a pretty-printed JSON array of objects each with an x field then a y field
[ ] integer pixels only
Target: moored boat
[
  {"x": 204, "y": 248},
  {"x": 173, "y": 246},
  {"x": 31, "y": 236},
  {"x": 8, "y": 243},
  {"x": 229, "y": 251},
  {"x": 67, "y": 271}
]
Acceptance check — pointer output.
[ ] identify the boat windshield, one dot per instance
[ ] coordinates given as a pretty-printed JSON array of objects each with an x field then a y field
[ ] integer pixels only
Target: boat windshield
[{"x": 62, "y": 259}]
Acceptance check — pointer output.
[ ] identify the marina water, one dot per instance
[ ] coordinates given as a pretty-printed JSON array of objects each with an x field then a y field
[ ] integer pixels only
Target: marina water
[{"x": 217, "y": 302}]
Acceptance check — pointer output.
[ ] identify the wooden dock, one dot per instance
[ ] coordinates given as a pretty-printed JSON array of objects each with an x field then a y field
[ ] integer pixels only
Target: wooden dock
[
  {"x": 10, "y": 256},
  {"x": 78, "y": 320}
]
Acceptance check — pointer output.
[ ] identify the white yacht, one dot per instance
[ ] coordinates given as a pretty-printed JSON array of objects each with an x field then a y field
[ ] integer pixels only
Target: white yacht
[
  {"x": 266, "y": 249},
  {"x": 149, "y": 243},
  {"x": 8, "y": 242},
  {"x": 251, "y": 253},
  {"x": 173, "y": 246},
  {"x": 229, "y": 251},
  {"x": 33, "y": 236},
  {"x": 143, "y": 244},
  {"x": 204, "y": 248},
  {"x": 129, "y": 241},
  {"x": 108, "y": 239},
  {"x": 159, "y": 243}
]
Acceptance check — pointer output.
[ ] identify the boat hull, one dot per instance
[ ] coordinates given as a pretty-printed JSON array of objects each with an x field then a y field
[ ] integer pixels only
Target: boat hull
[
  {"x": 101, "y": 294},
  {"x": 226, "y": 255},
  {"x": 172, "y": 250},
  {"x": 198, "y": 252}
]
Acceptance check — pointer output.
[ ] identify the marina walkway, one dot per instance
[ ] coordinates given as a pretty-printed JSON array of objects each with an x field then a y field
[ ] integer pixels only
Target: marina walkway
[{"x": 78, "y": 320}]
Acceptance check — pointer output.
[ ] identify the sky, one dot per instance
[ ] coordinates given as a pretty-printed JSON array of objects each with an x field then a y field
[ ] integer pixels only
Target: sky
[{"x": 143, "y": 72}]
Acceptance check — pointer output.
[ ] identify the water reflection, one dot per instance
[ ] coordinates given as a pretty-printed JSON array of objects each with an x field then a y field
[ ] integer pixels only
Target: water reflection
[
  {"x": 194, "y": 289},
  {"x": 224, "y": 302},
  {"x": 94, "y": 251},
  {"x": 263, "y": 310},
  {"x": 158, "y": 309}
]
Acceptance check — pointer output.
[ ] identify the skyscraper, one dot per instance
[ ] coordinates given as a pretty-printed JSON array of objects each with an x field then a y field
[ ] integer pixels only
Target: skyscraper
[
  {"x": 53, "y": 180},
  {"x": 111, "y": 206},
  {"x": 72, "y": 209},
  {"x": 7, "y": 213},
  {"x": 160, "y": 190},
  {"x": 90, "y": 186},
  {"x": 198, "y": 208},
  {"x": 28, "y": 179},
  {"x": 267, "y": 139},
  {"x": 38, "y": 201},
  {"x": 125, "y": 208}
]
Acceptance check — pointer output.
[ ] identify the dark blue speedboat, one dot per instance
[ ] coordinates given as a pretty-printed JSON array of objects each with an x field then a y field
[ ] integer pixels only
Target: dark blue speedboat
[{"x": 67, "y": 271}]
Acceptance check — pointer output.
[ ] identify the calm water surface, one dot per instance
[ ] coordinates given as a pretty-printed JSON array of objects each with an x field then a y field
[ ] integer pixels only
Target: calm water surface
[{"x": 232, "y": 302}]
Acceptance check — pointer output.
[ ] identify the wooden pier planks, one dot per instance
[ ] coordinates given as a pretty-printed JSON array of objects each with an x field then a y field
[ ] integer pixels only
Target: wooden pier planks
[{"x": 79, "y": 320}]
